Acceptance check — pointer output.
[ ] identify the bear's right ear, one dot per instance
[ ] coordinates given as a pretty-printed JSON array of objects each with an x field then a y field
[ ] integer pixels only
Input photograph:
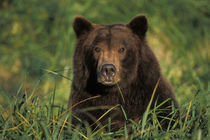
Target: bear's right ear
[{"x": 81, "y": 26}]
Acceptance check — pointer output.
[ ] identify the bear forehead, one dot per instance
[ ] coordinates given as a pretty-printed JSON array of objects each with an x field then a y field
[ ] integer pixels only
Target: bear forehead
[
  {"x": 117, "y": 33},
  {"x": 115, "y": 30}
]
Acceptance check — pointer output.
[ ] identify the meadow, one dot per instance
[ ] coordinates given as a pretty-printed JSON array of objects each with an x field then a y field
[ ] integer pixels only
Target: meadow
[{"x": 36, "y": 50}]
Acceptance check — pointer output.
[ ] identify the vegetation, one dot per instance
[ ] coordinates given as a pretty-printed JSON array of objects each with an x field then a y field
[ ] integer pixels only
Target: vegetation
[{"x": 36, "y": 49}]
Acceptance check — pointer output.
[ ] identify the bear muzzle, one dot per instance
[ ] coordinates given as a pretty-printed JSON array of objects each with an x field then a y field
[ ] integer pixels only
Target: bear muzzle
[
  {"x": 108, "y": 71},
  {"x": 107, "y": 74}
]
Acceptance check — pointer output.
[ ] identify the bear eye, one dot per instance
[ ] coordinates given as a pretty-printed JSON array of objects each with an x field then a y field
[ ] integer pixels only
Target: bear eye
[
  {"x": 121, "y": 50},
  {"x": 97, "y": 49}
]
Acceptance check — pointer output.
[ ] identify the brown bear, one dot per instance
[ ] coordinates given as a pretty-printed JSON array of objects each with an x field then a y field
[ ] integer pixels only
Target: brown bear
[{"x": 115, "y": 73}]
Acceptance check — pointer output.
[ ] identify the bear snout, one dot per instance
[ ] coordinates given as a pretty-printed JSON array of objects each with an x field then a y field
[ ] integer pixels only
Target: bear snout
[
  {"x": 108, "y": 74},
  {"x": 108, "y": 71}
]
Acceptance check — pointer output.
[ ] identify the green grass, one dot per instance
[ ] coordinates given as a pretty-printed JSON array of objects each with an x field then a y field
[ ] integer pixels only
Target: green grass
[
  {"x": 26, "y": 117},
  {"x": 36, "y": 50}
]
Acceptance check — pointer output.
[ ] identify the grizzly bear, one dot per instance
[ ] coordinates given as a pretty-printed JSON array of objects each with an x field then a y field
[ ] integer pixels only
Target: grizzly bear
[{"x": 115, "y": 73}]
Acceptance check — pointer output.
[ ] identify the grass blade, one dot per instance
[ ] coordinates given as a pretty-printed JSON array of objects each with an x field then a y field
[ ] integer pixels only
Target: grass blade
[{"x": 148, "y": 107}]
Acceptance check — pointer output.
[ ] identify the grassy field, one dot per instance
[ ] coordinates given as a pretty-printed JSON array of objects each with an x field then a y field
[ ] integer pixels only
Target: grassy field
[{"x": 36, "y": 49}]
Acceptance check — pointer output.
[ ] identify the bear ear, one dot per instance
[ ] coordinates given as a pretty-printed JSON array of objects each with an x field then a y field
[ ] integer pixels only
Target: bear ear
[
  {"x": 81, "y": 26},
  {"x": 139, "y": 25}
]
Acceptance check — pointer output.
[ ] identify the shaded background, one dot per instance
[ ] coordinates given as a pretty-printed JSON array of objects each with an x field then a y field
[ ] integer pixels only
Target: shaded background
[{"x": 37, "y": 42}]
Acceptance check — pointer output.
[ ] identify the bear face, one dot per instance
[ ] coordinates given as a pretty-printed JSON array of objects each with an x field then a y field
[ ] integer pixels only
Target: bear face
[
  {"x": 113, "y": 50},
  {"x": 113, "y": 54},
  {"x": 107, "y": 57}
]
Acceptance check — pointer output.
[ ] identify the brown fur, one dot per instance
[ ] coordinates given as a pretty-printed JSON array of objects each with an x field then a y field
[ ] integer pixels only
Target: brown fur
[{"x": 137, "y": 71}]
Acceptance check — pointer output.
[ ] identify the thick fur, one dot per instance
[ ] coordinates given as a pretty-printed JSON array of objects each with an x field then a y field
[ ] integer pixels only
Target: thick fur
[{"x": 139, "y": 72}]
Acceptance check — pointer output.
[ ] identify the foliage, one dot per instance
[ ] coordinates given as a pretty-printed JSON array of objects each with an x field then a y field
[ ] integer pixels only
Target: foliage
[{"x": 28, "y": 118}]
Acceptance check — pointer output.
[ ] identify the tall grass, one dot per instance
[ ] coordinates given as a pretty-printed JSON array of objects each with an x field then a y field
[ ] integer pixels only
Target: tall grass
[
  {"x": 37, "y": 35},
  {"x": 28, "y": 118}
]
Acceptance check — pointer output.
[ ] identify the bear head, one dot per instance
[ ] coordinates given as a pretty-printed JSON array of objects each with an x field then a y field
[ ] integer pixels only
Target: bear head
[{"x": 106, "y": 55}]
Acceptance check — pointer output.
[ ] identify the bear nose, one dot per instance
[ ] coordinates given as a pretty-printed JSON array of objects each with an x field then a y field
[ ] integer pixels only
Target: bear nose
[{"x": 108, "y": 71}]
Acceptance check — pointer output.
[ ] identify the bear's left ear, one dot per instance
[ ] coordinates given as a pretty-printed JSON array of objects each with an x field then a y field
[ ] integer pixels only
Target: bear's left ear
[
  {"x": 139, "y": 25},
  {"x": 81, "y": 25}
]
